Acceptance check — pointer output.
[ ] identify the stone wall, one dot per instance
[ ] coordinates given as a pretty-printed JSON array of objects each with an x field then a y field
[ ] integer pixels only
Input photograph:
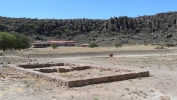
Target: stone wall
[
  {"x": 62, "y": 69},
  {"x": 105, "y": 79},
  {"x": 127, "y": 74},
  {"x": 29, "y": 66}
]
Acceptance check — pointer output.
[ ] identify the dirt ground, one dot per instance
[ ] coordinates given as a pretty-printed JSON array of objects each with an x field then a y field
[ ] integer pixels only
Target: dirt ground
[{"x": 161, "y": 85}]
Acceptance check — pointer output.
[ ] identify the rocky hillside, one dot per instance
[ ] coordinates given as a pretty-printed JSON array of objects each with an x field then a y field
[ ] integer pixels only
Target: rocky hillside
[{"x": 149, "y": 29}]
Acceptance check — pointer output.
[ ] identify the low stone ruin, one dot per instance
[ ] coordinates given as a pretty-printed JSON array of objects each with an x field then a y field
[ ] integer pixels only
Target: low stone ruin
[{"x": 72, "y": 75}]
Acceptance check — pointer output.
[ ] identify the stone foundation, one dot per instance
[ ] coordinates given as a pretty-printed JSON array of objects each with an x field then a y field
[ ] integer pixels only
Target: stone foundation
[
  {"x": 106, "y": 79},
  {"x": 43, "y": 71}
]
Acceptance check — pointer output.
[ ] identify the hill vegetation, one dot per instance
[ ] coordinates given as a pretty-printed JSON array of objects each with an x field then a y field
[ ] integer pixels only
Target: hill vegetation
[
  {"x": 13, "y": 40},
  {"x": 149, "y": 29}
]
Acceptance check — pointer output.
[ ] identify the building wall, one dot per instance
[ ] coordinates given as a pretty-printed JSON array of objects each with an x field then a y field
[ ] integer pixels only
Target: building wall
[{"x": 41, "y": 45}]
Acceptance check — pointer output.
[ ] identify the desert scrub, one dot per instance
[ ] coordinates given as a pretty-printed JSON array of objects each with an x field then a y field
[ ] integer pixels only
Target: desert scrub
[
  {"x": 95, "y": 98},
  {"x": 118, "y": 44},
  {"x": 169, "y": 45},
  {"x": 92, "y": 45}
]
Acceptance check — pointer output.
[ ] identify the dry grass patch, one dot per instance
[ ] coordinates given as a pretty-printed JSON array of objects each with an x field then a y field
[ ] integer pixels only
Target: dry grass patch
[
  {"x": 158, "y": 62},
  {"x": 50, "y": 50}
]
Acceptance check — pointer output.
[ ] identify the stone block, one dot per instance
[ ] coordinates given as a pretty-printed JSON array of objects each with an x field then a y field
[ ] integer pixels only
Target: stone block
[
  {"x": 71, "y": 83},
  {"x": 86, "y": 82},
  {"x": 135, "y": 75},
  {"x": 110, "y": 78},
  {"x": 79, "y": 83},
  {"x": 100, "y": 80},
  {"x": 144, "y": 74},
  {"x": 90, "y": 80},
  {"x": 105, "y": 79},
  {"x": 94, "y": 80},
  {"x": 47, "y": 65},
  {"x": 120, "y": 77}
]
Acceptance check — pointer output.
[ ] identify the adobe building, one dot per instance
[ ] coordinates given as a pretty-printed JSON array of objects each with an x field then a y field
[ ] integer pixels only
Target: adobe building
[
  {"x": 41, "y": 44},
  {"x": 44, "y": 44},
  {"x": 64, "y": 43},
  {"x": 84, "y": 45}
]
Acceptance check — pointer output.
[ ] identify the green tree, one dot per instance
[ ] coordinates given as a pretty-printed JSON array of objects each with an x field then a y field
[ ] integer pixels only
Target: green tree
[
  {"x": 169, "y": 45},
  {"x": 54, "y": 46},
  {"x": 22, "y": 41},
  {"x": 7, "y": 41},
  {"x": 92, "y": 45}
]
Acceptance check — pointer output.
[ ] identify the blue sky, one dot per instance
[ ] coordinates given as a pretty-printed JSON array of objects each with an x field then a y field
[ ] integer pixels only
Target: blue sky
[{"x": 94, "y": 9}]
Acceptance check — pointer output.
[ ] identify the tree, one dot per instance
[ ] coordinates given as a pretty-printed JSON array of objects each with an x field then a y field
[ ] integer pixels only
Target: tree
[
  {"x": 92, "y": 45},
  {"x": 54, "y": 46},
  {"x": 22, "y": 41},
  {"x": 7, "y": 41},
  {"x": 169, "y": 44}
]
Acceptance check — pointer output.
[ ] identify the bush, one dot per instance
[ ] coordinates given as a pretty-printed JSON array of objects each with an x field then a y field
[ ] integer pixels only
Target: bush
[
  {"x": 118, "y": 44},
  {"x": 145, "y": 43},
  {"x": 92, "y": 45},
  {"x": 54, "y": 46},
  {"x": 169, "y": 45},
  {"x": 22, "y": 41},
  {"x": 7, "y": 41}
]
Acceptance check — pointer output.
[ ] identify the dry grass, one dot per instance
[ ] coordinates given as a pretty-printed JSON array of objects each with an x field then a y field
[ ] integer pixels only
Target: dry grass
[
  {"x": 50, "y": 50},
  {"x": 168, "y": 62}
]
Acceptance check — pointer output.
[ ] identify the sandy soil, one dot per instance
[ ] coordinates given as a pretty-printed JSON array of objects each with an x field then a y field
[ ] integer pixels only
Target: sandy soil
[
  {"x": 84, "y": 73},
  {"x": 162, "y": 85}
]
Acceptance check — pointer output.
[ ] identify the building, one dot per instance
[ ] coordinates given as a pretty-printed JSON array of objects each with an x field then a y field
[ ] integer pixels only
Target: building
[
  {"x": 64, "y": 43},
  {"x": 84, "y": 45},
  {"x": 43, "y": 44}
]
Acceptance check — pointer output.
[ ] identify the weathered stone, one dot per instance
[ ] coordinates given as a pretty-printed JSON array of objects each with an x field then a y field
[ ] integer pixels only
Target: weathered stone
[
  {"x": 128, "y": 76},
  {"x": 110, "y": 78},
  {"x": 47, "y": 65},
  {"x": 61, "y": 70},
  {"x": 71, "y": 83},
  {"x": 90, "y": 80},
  {"x": 120, "y": 77},
  {"x": 79, "y": 83},
  {"x": 86, "y": 83},
  {"x": 114, "y": 78},
  {"x": 80, "y": 67},
  {"x": 144, "y": 74},
  {"x": 105, "y": 79},
  {"x": 100, "y": 80},
  {"x": 95, "y": 80}
]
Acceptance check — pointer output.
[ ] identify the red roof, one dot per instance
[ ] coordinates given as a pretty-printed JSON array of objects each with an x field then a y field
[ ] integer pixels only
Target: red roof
[
  {"x": 57, "y": 42},
  {"x": 84, "y": 44},
  {"x": 49, "y": 42},
  {"x": 62, "y": 41},
  {"x": 41, "y": 42}
]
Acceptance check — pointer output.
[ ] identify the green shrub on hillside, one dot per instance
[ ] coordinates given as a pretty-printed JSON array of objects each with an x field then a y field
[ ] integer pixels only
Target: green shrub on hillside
[
  {"x": 118, "y": 44},
  {"x": 169, "y": 45},
  {"x": 92, "y": 45}
]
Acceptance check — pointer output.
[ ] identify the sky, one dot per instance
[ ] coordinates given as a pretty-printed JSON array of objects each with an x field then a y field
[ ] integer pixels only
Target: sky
[{"x": 91, "y": 9}]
